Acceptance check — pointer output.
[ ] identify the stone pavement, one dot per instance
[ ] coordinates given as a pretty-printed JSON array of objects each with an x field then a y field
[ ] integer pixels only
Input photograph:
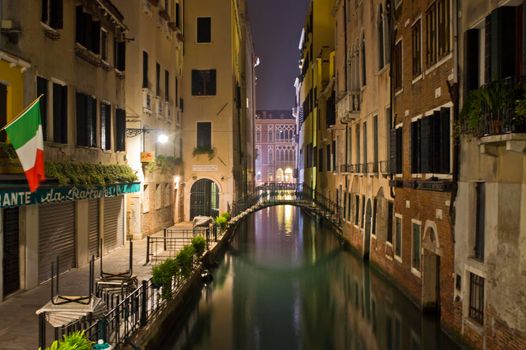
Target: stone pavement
[{"x": 18, "y": 321}]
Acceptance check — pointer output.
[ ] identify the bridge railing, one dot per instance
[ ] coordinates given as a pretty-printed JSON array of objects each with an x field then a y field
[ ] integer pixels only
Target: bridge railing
[{"x": 270, "y": 192}]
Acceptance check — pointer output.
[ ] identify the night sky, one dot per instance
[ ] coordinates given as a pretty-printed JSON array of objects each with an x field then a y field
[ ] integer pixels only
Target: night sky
[{"x": 276, "y": 26}]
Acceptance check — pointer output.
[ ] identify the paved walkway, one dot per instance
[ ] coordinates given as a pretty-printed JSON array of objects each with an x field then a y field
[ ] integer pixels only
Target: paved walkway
[{"x": 18, "y": 321}]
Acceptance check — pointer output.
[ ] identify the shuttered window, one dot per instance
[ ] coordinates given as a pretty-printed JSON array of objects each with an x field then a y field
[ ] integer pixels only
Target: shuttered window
[
  {"x": 166, "y": 86},
  {"x": 415, "y": 146},
  {"x": 86, "y": 118},
  {"x": 430, "y": 143},
  {"x": 396, "y": 151},
  {"x": 87, "y": 30},
  {"x": 105, "y": 126},
  {"x": 60, "y": 113},
  {"x": 120, "y": 130},
  {"x": 480, "y": 224},
  {"x": 42, "y": 89},
  {"x": 204, "y": 135},
  {"x": 203, "y": 82},
  {"x": 204, "y": 29},
  {"x": 145, "y": 79},
  {"x": 397, "y": 62},
  {"x": 119, "y": 55},
  {"x": 472, "y": 60},
  {"x": 417, "y": 48},
  {"x": 158, "y": 79}
]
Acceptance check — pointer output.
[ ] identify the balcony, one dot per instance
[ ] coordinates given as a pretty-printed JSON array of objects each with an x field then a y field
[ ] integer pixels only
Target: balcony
[
  {"x": 168, "y": 112},
  {"x": 147, "y": 101},
  {"x": 348, "y": 107},
  {"x": 497, "y": 108}
]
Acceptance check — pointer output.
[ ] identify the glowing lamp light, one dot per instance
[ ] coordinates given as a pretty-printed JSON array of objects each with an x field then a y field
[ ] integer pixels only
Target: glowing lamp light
[{"x": 163, "y": 138}]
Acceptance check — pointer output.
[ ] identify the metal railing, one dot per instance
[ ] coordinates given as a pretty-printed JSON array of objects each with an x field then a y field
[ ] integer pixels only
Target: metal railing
[
  {"x": 173, "y": 240},
  {"x": 497, "y": 102}
]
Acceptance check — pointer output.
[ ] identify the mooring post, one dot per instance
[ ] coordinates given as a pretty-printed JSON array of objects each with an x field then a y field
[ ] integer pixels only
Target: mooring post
[
  {"x": 144, "y": 303},
  {"x": 147, "y": 250}
]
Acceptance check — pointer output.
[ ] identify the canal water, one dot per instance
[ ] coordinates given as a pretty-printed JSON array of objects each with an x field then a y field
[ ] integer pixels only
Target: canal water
[{"x": 287, "y": 283}]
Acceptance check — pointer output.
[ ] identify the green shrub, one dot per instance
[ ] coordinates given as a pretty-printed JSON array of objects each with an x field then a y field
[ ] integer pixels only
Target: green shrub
[
  {"x": 162, "y": 275},
  {"x": 185, "y": 259},
  {"x": 199, "y": 244},
  {"x": 90, "y": 175},
  {"x": 73, "y": 341},
  {"x": 221, "y": 221},
  {"x": 226, "y": 215}
]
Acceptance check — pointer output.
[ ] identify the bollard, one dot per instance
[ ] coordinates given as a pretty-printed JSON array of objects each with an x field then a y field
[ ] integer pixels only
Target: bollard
[{"x": 144, "y": 303}]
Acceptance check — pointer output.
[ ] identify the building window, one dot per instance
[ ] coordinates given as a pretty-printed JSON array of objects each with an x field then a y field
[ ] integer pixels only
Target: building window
[
  {"x": 396, "y": 150},
  {"x": 415, "y": 247},
  {"x": 258, "y": 134},
  {"x": 157, "y": 79},
  {"x": 166, "y": 86},
  {"x": 417, "y": 48},
  {"x": 397, "y": 73},
  {"x": 105, "y": 126},
  {"x": 431, "y": 35},
  {"x": 390, "y": 222},
  {"x": 119, "y": 55},
  {"x": 103, "y": 44},
  {"x": 364, "y": 62},
  {"x": 204, "y": 30},
  {"x": 365, "y": 146},
  {"x": 444, "y": 27},
  {"x": 362, "y": 216},
  {"x": 398, "y": 236},
  {"x": 356, "y": 209},
  {"x": 476, "y": 298},
  {"x": 320, "y": 160},
  {"x": 42, "y": 90},
  {"x": 270, "y": 156},
  {"x": 145, "y": 79},
  {"x": 203, "y": 82},
  {"x": 328, "y": 153},
  {"x": 60, "y": 113},
  {"x": 52, "y": 13},
  {"x": 86, "y": 113},
  {"x": 270, "y": 135},
  {"x": 120, "y": 130},
  {"x": 177, "y": 15},
  {"x": 204, "y": 135},
  {"x": 416, "y": 146},
  {"x": 480, "y": 223},
  {"x": 430, "y": 143},
  {"x": 374, "y": 216},
  {"x": 87, "y": 31}
]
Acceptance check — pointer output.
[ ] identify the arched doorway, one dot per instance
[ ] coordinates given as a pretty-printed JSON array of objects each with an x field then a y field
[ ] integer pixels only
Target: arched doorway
[
  {"x": 430, "y": 270},
  {"x": 204, "y": 199},
  {"x": 279, "y": 175},
  {"x": 367, "y": 233}
]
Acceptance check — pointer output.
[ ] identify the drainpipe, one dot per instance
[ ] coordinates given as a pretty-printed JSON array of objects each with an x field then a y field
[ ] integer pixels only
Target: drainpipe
[
  {"x": 390, "y": 12},
  {"x": 455, "y": 98}
]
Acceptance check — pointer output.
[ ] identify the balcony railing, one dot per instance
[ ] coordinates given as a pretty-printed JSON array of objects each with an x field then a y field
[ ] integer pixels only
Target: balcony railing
[
  {"x": 495, "y": 108},
  {"x": 348, "y": 107}
]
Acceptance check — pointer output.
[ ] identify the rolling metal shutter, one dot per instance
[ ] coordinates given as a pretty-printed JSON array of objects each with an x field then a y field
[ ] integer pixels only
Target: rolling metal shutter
[
  {"x": 93, "y": 227},
  {"x": 113, "y": 222},
  {"x": 56, "y": 237}
]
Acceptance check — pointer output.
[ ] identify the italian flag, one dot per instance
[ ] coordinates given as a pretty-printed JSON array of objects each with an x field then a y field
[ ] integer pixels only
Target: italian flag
[{"x": 25, "y": 134}]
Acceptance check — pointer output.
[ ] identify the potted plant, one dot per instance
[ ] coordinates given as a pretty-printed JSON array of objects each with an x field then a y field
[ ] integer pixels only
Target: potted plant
[
  {"x": 73, "y": 341},
  {"x": 221, "y": 221},
  {"x": 210, "y": 151}
]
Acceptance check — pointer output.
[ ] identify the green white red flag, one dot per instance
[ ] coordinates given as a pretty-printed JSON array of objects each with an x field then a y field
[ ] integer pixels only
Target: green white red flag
[{"x": 25, "y": 134}]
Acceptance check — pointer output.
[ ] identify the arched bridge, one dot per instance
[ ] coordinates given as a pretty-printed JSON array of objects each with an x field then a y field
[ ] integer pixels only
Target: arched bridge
[{"x": 299, "y": 195}]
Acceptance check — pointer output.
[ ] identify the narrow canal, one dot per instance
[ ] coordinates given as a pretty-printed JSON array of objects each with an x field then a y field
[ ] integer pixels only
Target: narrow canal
[{"x": 287, "y": 283}]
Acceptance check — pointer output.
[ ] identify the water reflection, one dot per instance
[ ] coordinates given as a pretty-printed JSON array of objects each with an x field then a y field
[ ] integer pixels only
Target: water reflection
[{"x": 287, "y": 284}]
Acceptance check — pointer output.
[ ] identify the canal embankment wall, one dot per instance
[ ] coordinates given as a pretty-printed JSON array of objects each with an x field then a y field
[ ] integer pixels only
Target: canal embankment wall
[{"x": 173, "y": 315}]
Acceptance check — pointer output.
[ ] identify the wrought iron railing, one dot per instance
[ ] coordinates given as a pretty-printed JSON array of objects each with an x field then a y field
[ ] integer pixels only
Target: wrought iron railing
[
  {"x": 496, "y": 108},
  {"x": 173, "y": 240}
]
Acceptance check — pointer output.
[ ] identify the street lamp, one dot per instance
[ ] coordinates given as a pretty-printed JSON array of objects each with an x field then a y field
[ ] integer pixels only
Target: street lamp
[{"x": 162, "y": 138}]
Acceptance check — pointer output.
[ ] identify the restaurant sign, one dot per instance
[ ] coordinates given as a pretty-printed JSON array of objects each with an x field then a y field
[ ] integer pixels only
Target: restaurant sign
[{"x": 16, "y": 198}]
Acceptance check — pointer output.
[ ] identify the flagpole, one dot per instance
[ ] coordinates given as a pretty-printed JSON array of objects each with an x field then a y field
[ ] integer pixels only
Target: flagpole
[{"x": 22, "y": 113}]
